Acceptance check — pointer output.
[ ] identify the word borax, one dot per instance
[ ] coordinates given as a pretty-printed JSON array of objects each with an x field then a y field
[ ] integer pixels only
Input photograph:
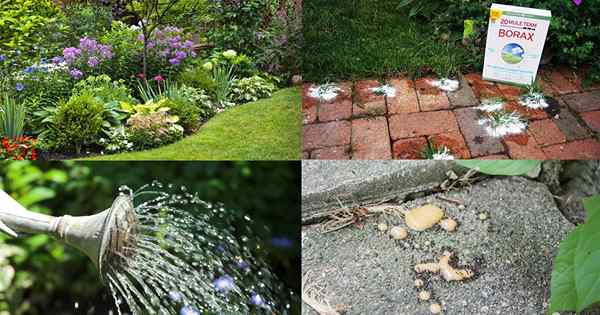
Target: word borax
[{"x": 515, "y": 43}]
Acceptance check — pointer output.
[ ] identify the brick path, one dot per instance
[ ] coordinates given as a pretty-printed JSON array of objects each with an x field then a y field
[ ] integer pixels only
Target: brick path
[{"x": 358, "y": 124}]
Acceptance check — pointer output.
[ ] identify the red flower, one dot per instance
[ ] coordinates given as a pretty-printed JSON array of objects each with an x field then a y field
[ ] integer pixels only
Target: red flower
[
  {"x": 158, "y": 78},
  {"x": 141, "y": 76}
]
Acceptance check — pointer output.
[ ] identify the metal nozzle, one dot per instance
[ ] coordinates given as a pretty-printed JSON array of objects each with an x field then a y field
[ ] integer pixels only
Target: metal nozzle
[{"x": 104, "y": 237}]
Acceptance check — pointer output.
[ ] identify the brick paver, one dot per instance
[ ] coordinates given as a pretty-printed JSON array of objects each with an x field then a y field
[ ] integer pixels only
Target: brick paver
[
  {"x": 405, "y": 100},
  {"x": 546, "y": 132},
  {"x": 588, "y": 149},
  {"x": 409, "y": 149},
  {"x": 358, "y": 124},
  {"x": 370, "y": 139},
  {"x": 430, "y": 97},
  {"x": 331, "y": 153},
  {"x": 493, "y": 157},
  {"x": 592, "y": 119},
  {"x": 336, "y": 133},
  {"x": 422, "y": 124}
]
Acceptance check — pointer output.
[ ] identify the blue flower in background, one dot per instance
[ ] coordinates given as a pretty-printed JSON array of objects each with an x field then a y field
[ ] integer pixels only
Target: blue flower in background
[
  {"x": 19, "y": 87},
  {"x": 29, "y": 70},
  {"x": 188, "y": 310},
  {"x": 175, "y": 296},
  {"x": 224, "y": 284},
  {"x": 256, "y": 299},
  {"x": 282, "y": 242},
  {"x": 2, "y": 58}
]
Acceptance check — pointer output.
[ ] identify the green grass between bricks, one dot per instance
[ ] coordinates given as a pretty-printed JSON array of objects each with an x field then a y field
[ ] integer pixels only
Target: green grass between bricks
[
  {"x": 268, "y": 129},
  {"x": 353, "y": 39}
]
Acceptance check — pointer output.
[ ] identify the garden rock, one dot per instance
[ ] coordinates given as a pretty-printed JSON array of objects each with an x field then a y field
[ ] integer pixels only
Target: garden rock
[{"x": 511, "y": 253}]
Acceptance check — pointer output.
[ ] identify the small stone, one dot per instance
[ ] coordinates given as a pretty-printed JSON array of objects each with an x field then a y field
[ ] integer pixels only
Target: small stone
[
  {"x": 398, "y": 233},
  {"x": 419, "y": 283},
  {"x": 483, "y": 216},
  {"x": 448, "y": 224},
  {"x": 424, "y": 296},
  {"x": 461, "y": 207},
  {"x": 427, "y": 243},
  {"x": 382, "y": 227},
  {"x": 296, "y": 79},
  {"x": 435, "y": 308},
  {"x": 424, "y": 217}
]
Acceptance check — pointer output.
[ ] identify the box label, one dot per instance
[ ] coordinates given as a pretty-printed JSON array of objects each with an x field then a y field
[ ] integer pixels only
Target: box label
[{"x": 515, "y": 42}]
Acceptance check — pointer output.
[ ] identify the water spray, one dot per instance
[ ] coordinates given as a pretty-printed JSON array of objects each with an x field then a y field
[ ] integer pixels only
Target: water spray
[{"x": 103, "y": 237}]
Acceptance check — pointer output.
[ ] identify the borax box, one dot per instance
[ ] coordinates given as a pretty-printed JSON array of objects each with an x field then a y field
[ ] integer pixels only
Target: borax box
[{"x": 515, "y": 42}]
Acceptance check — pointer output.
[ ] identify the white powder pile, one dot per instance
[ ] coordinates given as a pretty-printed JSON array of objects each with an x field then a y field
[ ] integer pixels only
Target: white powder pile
[
  {"x": 444, "y": 84},
  {"x": 325, "y": 92},
  {"x": 386, "y": 90}
]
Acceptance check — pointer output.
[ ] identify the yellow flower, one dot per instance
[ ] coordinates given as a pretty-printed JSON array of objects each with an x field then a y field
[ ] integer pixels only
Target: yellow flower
[
  {"x": 495, "y": 14},
  {"x": 207, "y": 66}
]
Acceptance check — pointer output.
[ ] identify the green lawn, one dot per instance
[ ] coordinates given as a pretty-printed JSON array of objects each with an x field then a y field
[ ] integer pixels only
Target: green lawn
[
  {"x": 372, "y": 38},
  {"x": 269, "y": 129}
]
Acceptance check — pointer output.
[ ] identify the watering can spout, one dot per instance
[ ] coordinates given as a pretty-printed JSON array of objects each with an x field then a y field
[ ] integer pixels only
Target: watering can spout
[{"x": 102, "y": 236}]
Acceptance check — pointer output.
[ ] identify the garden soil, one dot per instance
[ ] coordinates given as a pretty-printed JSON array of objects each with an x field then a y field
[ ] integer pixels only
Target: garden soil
[{"x": 363, "y": 271}]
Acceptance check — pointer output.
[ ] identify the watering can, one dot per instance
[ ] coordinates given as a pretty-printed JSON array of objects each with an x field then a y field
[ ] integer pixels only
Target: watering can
[{"x": 103, "y": 237}]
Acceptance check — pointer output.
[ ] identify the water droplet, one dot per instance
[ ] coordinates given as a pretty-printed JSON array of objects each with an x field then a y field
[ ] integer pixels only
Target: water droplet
[{"x": 76, "y": 305}]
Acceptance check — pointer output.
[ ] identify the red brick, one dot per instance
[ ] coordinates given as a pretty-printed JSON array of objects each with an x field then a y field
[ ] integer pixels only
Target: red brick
[
  {"x": 592, "y": 119},
  {"x": 309, "y": 114},
  {"x": 493, "y": 157},
  {"x": 375, "y": 108},
  {"x": 588, "y": 149},
  {"x": 305, "y": 155},
  {"x": 309, "y": 101},
  {"x": 520, "y": 139},
  {"x": 331, "y": 153},
  {"x": 546, "y": 132},
  {"x": 464, "y": 96},
  {"x": 479, "y": 141},
  {"x": 405, "y": 100},
  {"x": 526, "y": 112},
  {"x": 370, "y": 139},
  {"x": 571, "y": 76},
  {"x": 483, "y": 91},
  {"x": 430, "y": 97},
  {"x": 420, "y": 124},
  {"x": 409, "y": 149},
  {"x": 476, "y": 79},
  {"x": 338, "y": 110},
  {"x": 584, "y": 102},
  {"x": 510, "y": 92},
  {"x": 529, "y": 151},
  {"x": 570, "y": 125},
  {"x": 363, "y": 91},
  {"x": 330, "y": 134},
  {"x": 560, "y": 84},
  {"x": 454, "y": 141},
  {"x": 545, "y": 85}
]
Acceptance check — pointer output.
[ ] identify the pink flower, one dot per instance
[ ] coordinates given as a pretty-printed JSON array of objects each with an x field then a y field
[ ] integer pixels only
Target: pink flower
[
  {"x": 158, "y": 78},
  {"x": 140, "y": 76}
]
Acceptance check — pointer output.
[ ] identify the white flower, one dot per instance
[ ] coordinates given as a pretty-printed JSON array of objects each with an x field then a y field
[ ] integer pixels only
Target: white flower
[{"x": 230, "y": 54}]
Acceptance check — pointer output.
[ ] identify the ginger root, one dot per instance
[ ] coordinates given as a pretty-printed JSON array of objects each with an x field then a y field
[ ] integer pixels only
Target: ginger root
[{"x": 443, "y": 266}]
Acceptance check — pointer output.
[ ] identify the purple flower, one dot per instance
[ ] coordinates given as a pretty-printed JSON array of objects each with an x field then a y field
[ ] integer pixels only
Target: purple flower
[
  {"x": 577, "y": 2},
  {"x": 2, "y": 58},
  {"x": 174, "y": 61},
  {"x": 223, "y": 284},
  {"x": 188, "y": 310},
  {"x": 58, "y": 60},
  {"x": 180, "y": 54},
  {"x": 242, "y": 265},
  {"x": 93, "y": 62},
  {"x": 256, "y": 299},
  {"x": 19, "y": 87},
  {"x": 70, "y": 53},
  {"x": 28, "y": 70},
  {"x": 76, "y": 74},
  {"x": 105, "y": 51},
  {"x": 88, "y": 44},
  {"x": 140, "y": 37},
  {"x": 188, "y": 44}
]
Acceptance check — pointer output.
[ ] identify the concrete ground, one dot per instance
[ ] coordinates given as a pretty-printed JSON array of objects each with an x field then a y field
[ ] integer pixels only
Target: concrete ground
[{"x": 365, "y": 272}]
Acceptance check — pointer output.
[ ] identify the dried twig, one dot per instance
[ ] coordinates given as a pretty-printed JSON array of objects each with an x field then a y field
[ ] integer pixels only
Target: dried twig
[
  {"x": 453, "y": 182},
  {"x": 310, "y": 296}
]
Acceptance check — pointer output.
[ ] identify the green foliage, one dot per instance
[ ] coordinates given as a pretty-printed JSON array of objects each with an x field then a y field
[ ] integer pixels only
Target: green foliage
[
  {"x": 223, "y": 83},
  {"x": 244, "y": 66},
  {"x": 576, "y": 274},
  {"x": 105, "y": 89},
  {"x": 87, "y": 20},
  {"x": 427, "y": 9},
  {"x": 149, "y": 130},
  {"x": 251, "y": 89},
  {"x": 127, "y": 61},
  {"x": 12, "y": 117},
  {"x": 194, "y": 96},
  {"x": 198, "y": 77},
  {"x": 22, "y": 23},
  {"x": 188, "y": 113},
  {"x": 74, "y": 124},
  {"x": 497, "y": 167}
]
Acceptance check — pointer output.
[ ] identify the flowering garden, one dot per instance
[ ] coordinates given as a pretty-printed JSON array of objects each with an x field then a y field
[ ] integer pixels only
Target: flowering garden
[{"x": 98, "y": 78}]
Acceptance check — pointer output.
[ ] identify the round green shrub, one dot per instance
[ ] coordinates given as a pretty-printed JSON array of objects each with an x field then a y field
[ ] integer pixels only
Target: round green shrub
[
  {"x": 76, "y": 123},
  {"x": 197, "y": 77},
  {"x": 187, "y": 111}
]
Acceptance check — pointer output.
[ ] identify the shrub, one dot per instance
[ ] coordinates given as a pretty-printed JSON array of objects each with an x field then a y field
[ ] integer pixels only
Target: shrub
[
  {"x": 19, "y": 148},
  {"x": 12, "y": 118},
  {"x": 117, "y": 140},
  {"x": 105, "y": 89},
  {"x": 23, "y": 24},
  {"x": 152, "y": 130},
  {"x": 251, "y": 89},
  {"x": 188, "y": 113},
  {"x": 87, "y": 20},
  {"x": 196, "y": 97},
  {"x": 244, "y": 66},
  {"x": 74, "y": 124},
  {"x": 127, "y": 50},
  {"x": 198, "y": 77}
]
